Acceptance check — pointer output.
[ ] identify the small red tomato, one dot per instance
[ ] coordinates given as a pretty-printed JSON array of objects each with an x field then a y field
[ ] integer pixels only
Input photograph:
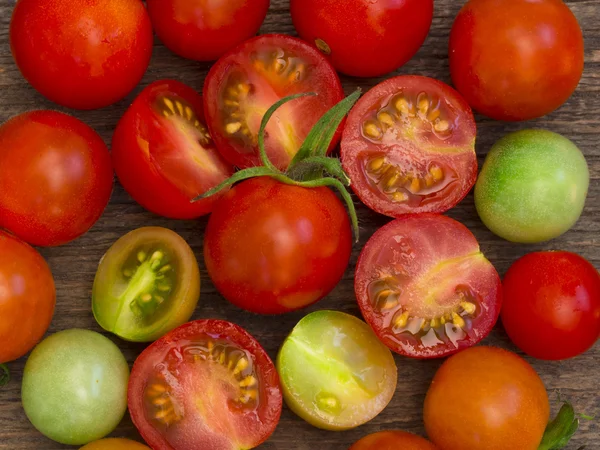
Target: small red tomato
[
  {"x": 163, "y": 154},
  {"x": 393, "y": 440},
  {"x": 271, "y": 247},
  {"x": 83, "y": 54},
  {"x": 55, "y": 177},
  {"x": 205, "y": 30},
  {"x": 515, "y": 59},
  {"x": 364, "y": 38},
  {"x": 552, "y": 304}
]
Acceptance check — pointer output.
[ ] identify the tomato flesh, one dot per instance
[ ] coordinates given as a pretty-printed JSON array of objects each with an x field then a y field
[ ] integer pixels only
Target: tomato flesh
[
  {"x": 247, "y": 81},
  {"x": 424, "y": 286},
  {"x": 207, "y": 384},
  {"x": 408, "y": 147},
  {"x": 393, "y": 440}
]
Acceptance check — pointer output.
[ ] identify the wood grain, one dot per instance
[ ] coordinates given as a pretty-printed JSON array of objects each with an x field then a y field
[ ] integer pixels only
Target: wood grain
[{"x": 74, "y": 265}]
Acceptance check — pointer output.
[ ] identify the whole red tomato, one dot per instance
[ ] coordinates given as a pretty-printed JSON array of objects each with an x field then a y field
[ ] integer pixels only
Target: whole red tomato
[
  {"x": 552, "y": 306},
  {"x": 27, "y": 297},
  {"x": 205, "y": 30},
  {"x": 516, "y": 59},
  {"x": 55, "y": 177},
  {"x": 83, "y": 54},
  {"x": 271, "y": 247},
  {"x": 364, "y": 38}
]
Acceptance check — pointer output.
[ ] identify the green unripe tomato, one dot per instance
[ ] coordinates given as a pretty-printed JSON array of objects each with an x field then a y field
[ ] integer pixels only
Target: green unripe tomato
[
  {"x": 75, "y": 386},
  {"x": 532, "y": 186}
]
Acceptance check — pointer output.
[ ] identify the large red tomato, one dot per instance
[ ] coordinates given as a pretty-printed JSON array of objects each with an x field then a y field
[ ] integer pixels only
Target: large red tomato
[
  {"x": 163, "y": 154},
  {"x": 55, "y": 177},
  {"x": 82, "y": 54},
  {"x": 364, "y": 38},
  {"x": 206, "y": 29},
  {"x": 516, "y": 59},
  {"x": 271, "y": 247},
  {"x": 552, "y": 307}
]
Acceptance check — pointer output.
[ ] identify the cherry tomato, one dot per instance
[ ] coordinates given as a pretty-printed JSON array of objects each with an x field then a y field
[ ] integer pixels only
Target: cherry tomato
[
  {"x": 334, "y": 371},
  {"x": 552, "y": 307},
  {"x": 163, "y": 154},
  {"x": 424, "y": 286},
  {"x": 270, "y": 247},
  {"x": 147, "y": 284},
  {"x": 364, "y": 38},
  {"x": 246, "y": 82},
  {"x": 115, "y": 444},
  {"x": 393, "y": 440},
  {"x": 205, "y": 30},
  {"x": 486, "y": 398},
  {"x": 409, "y": 147},
  {"x": 207, "y": 384},
  {"x": 529, "y": 64},
  {"x": 27, "y": 297},
  {"x": 83, "y": 54},
  {"x": 55, "y": 177}
]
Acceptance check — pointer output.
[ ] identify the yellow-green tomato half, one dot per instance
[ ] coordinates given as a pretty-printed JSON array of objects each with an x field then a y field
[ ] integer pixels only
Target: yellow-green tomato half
[
  {"x": 334, "y": 372},
  {"x": 147, "y": 284},
  {"x": 115, "y": 444},
  {"x": 75, "y": 386},
  {"x": 532, "y": 187}
]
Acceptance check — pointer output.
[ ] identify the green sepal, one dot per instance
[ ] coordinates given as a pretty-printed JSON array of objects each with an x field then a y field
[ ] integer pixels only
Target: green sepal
[
  {"x": 561, "y": 429},
  {"x": 4, "y": 375},
  {"x": 314, "y": 166}
]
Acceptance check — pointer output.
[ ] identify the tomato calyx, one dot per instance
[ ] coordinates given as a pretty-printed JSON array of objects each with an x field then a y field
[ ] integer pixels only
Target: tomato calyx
[
  {"x": 4, "y": 375},
  {"x": 310, "y": 167},
  {"x": 562, "y": 428}
]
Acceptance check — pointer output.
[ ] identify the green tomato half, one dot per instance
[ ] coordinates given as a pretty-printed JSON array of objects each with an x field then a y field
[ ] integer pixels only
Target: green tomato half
[
  {"x": 334, "y": 372},
  {"x": 75, "y": 386},
  {"x": 532, "y": 187}
]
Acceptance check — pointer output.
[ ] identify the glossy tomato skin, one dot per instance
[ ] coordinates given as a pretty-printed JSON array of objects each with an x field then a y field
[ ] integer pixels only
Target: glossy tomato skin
[
  {"x": 364, "y": 39},
  {"x": 25, "y": 309},
  {"x": 486, "y": 398},
  {"x": 114, "y": 444},
  {"x": 69, "y": 177},
  {"x": 82, "y": 54},
  {"x": 271, "y": 248},
  {"x": 393, "y": 440},
  {"x": 552, "y": 307},
  {"x": 204, "y": 31},
  {"x": 498, "y": 74},
  {"x": 162, "y": 159}
]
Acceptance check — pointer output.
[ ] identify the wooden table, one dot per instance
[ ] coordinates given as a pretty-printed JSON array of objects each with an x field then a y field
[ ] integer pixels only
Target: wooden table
[{"x": 74, "y": 265}]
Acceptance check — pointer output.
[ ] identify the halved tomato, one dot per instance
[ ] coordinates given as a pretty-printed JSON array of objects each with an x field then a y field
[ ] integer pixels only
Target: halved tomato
[
  {"x": 163, "y": 154},
  {"x": 409, "y": 147},
  {"x": 147, "y": 284},
  {"x": 206, "y": 385},
  {"x": 424, "y": 286},
  {"x": 247, "y": 81}
]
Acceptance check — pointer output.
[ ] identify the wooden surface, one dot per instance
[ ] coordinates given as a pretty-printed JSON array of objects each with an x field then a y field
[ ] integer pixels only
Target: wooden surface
[{"x": 74, "y": 265}]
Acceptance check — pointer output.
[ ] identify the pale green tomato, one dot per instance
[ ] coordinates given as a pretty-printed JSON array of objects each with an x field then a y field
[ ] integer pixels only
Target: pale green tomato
[
  {"x": 75, "y": 386},
  {"x": 532, "y": 187}
]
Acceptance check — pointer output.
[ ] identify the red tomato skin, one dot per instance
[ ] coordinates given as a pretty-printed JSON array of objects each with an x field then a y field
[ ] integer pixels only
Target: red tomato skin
[
  {"x": 393, "y": 440},
  {"x": 366, "y": 39},
  {"x": 49, "y": 210},
  {"x": 25, "y": 309},
  {"x": 504, "y": 79},
  {"x": 552, "y": 306},
  {"x": 138, "y": 171},
  {"x": 272, "y": 248},
  {"x": 82, "y": 54},
  {"x": 196, "y": 30}
]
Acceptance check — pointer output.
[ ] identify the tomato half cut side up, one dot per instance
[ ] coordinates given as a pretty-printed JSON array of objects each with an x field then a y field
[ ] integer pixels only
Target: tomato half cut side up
[
  {"x": 409, "y": 147},
  {"x": 248, "y": 80},
  {"x": 425, "y": 287},
  {"x": 206, "y": 385}
]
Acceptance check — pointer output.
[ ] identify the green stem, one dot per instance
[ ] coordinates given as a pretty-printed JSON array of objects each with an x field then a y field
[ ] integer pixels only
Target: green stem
[
  {"x": 240, "y": 176},
  {"x": 560, "y": 430},
  {"x": 4, "y": 375}
]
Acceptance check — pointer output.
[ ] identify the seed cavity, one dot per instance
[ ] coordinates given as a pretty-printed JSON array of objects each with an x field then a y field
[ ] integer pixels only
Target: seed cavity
[
  {"x": 328, "y": 403},
  {"x": 177, "y": 107},
  {"x": 164, "y": 406}
]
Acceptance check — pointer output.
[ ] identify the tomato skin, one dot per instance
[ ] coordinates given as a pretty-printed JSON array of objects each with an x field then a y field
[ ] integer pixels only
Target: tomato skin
[
  {"x": 504, "y": 79},
  {"x": 114, "y": 444},
  {"x": 82, "y": 54},
  {"x": 203, "y": 31},
  {"x": 552, "y": 307},
  {"x": 25, "y": 311},
  {"x": 69, "y": 177},
  {"x": 271, "y": 248},
  {"x": 393, "y": 440},
  {"x": 486, "y": 398},
  {"x": 366, "y": 39}
]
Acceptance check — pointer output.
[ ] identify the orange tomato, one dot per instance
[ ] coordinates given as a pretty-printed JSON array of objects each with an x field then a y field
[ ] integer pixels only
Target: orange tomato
[
  {"x": 393, "y": 440},
  {"x": 114, "y": 444}
]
